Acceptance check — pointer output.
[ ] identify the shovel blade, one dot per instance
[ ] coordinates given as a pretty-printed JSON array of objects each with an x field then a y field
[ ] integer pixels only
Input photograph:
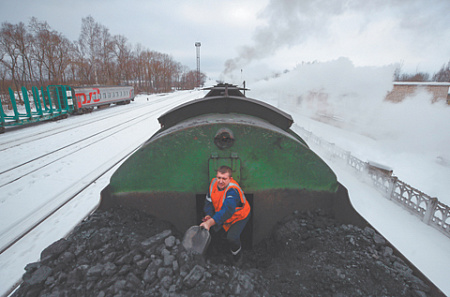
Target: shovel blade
[{"x": 196, "y": 240}]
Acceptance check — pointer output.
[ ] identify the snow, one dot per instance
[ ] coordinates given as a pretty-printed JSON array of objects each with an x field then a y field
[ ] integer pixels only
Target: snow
[
  {"x": 28, "y": 199},
  {"x": 409, "y": 137}
]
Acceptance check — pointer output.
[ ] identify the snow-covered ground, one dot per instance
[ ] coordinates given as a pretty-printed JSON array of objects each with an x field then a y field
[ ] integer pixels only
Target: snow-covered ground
[
  {"x": 427, "y": 248},
  {"x": 29, "y": 197}
]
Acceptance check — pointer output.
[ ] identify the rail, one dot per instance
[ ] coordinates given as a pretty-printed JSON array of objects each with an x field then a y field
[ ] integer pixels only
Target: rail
[{"x": 429, "y": 209}]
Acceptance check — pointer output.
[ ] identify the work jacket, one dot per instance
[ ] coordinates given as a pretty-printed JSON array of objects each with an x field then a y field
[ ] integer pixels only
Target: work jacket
[{"x": 218, "y": 197}]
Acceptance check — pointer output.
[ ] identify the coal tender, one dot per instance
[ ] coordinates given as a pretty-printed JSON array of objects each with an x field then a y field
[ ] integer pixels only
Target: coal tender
[{"x": 169, "y": 175}]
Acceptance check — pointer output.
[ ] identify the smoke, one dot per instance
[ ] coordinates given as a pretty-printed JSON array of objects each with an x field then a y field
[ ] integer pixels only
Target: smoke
[
  {"x": 288, "y": 23},
  {"x": 291, "y": 23}
]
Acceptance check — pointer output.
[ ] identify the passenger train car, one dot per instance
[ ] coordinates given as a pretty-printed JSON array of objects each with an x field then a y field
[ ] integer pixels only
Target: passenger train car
[{"x": 86, "y": 98}]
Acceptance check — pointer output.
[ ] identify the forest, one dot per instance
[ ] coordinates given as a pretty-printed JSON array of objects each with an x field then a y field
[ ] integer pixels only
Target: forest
[{"x": 37, "y": 55}]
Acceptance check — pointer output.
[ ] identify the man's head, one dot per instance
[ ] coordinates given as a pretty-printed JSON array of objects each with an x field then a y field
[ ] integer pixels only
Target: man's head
[{"x": 223, "y": 177}]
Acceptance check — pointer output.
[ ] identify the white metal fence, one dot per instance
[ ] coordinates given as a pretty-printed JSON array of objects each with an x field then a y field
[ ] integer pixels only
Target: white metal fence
[{"x": 428, "y": 209}]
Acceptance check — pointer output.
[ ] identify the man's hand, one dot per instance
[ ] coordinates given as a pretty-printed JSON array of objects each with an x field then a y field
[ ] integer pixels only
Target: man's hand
[
  {"x": 208, "y": 223},
  {"x": 206, "y": 218}
]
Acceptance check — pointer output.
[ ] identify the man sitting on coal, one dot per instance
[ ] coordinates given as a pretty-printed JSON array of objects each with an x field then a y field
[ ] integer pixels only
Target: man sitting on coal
[{"x": 226, "y": 211}]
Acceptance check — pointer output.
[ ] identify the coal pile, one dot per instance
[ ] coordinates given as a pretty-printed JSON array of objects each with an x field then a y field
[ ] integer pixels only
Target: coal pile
[
  {"x": 313, "y": 255},
  {"x": 127, "y": 253}
]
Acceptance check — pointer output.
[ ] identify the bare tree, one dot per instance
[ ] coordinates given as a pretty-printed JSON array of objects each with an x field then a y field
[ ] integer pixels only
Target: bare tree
[
  {"x": 123, "y": 57},
  {"x": 51, "y": 53},
  {"x": 138, "y": 66},
  {"x": 189, "y": 79},
  {"x": 149, "y": 63},
  {"x": 106, "y": 57},
  {"x": 88, "y": 48},
  {"x": 417, "y": 77},
  {"x": 443, "y": 75},
  {"x": 14, "y": 46},
  {"x": 24, "y": 42}
]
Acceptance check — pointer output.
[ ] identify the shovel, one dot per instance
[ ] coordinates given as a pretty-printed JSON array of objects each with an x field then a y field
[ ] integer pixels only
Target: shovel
[{"x": 196, "y": 240}]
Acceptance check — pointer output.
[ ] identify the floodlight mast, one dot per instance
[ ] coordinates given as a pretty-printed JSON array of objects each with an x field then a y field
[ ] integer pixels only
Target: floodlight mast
[{"x": 197, "y": 46}]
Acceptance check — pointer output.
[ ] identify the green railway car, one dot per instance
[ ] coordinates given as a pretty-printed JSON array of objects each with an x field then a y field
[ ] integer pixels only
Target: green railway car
[{"x": 57, "y": 102}]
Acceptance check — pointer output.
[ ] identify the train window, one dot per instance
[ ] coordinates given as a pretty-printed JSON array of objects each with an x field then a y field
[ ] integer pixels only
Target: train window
[
  {"x": 109, "y": 95},
  {"x": 104, "y": 95}
]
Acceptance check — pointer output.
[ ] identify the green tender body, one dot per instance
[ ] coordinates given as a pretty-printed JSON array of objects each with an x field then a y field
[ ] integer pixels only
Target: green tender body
[{"x": 262, "y": 157}]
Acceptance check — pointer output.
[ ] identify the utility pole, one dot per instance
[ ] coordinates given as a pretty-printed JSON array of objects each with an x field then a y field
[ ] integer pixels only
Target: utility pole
[{"x": 197, "y": 46}]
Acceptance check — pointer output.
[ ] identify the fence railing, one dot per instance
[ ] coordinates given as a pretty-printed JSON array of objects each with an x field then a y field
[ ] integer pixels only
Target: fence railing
[{"x": 428, "y": 209}]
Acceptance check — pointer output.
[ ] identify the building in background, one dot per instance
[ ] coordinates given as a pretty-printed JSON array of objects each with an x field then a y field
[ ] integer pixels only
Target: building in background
[{"x": 439, "y": 90}]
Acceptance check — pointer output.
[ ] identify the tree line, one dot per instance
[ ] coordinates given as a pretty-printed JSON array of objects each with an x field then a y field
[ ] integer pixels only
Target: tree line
[
  {"x": 443, "y": 75},
  {"x": 35, "y": 54}
]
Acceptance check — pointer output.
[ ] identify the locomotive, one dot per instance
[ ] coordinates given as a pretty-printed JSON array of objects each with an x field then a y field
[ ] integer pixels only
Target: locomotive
[{"x": 169, "y": 175}]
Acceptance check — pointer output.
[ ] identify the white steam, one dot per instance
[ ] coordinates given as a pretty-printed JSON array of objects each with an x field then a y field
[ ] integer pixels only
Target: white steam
[
  {"x": 411, "y": 136},
  {"x": 353, "y": 98}
]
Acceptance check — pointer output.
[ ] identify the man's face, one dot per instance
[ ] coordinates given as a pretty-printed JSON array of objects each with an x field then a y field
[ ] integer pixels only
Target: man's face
[{"x": 223, "y": 179}]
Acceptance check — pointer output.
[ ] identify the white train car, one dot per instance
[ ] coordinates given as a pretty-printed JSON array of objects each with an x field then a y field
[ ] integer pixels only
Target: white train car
[{"x": 86, "y": 98}]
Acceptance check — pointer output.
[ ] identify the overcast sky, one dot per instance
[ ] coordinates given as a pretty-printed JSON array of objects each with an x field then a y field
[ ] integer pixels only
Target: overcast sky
[{"x": 262, "y": 35}]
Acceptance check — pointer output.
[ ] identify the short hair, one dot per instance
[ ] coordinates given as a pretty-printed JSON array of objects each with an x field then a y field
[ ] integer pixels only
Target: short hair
[{"x": 224, "y": 169}]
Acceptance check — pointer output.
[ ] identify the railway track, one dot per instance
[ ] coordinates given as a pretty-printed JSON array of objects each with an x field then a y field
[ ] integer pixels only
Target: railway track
[
  {"x": 46, "y": 158},
  {"x": 30, "y": 170},
  {"x": 27, "y": 134},
  {"x": 13, "y": 235},
  {"x": 76, "y": 189},
  {"x": 38, "y": 143}
]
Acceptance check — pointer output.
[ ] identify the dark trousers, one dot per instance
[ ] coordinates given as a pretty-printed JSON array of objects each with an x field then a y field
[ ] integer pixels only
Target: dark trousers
[{"x": 232, "y": 236}]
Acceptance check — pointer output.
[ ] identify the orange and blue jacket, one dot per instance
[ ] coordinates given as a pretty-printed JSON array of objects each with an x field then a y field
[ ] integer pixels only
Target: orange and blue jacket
[{"x": 227, "y": 206}]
